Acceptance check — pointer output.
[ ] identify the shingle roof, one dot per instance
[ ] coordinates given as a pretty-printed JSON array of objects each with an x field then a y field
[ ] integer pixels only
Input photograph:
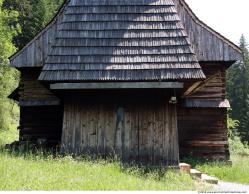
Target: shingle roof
[
  {"x": 207, "y": 44},
  {"x": 121, "y": 40}
]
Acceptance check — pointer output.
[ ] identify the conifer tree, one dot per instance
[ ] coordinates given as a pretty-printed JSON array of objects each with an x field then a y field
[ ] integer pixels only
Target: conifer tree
[{"x": 238, "y": 90}]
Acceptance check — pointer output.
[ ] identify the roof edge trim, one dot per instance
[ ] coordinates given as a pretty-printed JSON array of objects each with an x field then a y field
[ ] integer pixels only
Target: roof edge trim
[
  {"x": 211, "y": 30},
  {"x": 52, "y": 22}
]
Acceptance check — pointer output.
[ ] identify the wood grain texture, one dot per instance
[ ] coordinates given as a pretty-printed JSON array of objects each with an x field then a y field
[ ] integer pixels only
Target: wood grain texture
[
  {"x": 33, "y": 93},
  {"x": 136, "y": 130},
  {"x": 210, "y": 93},
  {"x": 203, "y": 133}
]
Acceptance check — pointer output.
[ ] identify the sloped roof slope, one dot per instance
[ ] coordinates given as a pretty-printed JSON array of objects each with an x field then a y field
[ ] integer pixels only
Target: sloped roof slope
[
  {"x": 36, "y": 51},
  {"x": 207, "y": 44},
  {"x": 121, "y": 40}
]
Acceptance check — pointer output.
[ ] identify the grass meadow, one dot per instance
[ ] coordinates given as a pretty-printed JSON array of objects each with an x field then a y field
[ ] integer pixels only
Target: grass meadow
[
  {"x": 238, "y": 172},
  {"x": 36, "y": 172},
  {"x": 23, "y": 171}
]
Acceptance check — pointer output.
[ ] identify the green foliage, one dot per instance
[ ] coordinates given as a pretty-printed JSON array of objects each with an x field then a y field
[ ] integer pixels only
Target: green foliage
[
  {"x": 35, "y": 172},
  {"x": 34, "y": 15},
  {"x": 8, "y": 76},
  {"x": 237, "y": 172},
  {"x": 9, "y": 136},
  {"x": 237, "y": 147},
  {"x": 7, "y": 32},
  {"x": 238, "y": 91},
  {"x": 235, "y": 144},
  {"x": 232, "y": 126}
]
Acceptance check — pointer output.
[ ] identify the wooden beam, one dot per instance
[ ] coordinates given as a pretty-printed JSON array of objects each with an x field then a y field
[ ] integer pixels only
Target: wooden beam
[
  {"x": 116, "y": 85},
  {"x": 39, "y": 103},
  {"x": 192, "y": 88},
  {"x": 198, "y": 85}
]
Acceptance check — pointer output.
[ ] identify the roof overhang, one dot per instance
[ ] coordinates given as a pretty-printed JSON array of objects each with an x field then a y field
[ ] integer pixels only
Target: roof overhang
[
  {"x": 200, "y": 103},
  {"x": 116, "y": 85}
]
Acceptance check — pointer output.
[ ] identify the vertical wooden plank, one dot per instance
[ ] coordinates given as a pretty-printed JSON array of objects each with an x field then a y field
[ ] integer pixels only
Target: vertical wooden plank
[
  {"x": 64, "y": 127},
  {"x": 166, "y": 134},
  {"x": 160, "y": 132},
  {"x": 70, "y": 123},
  {"x": 73, "y": 128},
  {"x": 123, "y": 134},
  {"x": 157, "y": 135},
  {"x": 110, "y": 128},
  {"x": 77, "y": 127},
  {"x": 145, "y": 113},
  {"x": 119, "y": 133},
  {"x": 128, "y": 135},
  {"x": 176, "y": 145},
  {"x": 101, "y": 129},
  {"x": 92, "y": 126},
  {"x": 174, "y": 137},
  {"x": 169, "y": 135},
  {"x": 150, "y": 135},
  {"x": 101, "y": 121},
  {"x": 134, "y": 133}
]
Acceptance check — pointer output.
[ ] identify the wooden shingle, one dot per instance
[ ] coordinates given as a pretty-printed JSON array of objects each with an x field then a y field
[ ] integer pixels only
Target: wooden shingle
[{"x": 145, "y": 41}]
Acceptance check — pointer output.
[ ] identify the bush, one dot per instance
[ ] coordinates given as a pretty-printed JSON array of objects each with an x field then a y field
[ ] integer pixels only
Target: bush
[
  {"x": 235, "y": 143},
  {"x": 237, "y": 147}
]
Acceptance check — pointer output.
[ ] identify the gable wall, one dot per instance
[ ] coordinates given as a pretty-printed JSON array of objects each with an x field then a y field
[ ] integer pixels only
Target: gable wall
[{"x": 207, "y": 44}]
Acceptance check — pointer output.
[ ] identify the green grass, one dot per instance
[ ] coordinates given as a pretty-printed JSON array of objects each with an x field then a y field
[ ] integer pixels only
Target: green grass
[
  {"x": 26, "y": 171},
  {"x": 238, "y": 172},
  {"x": 34, "y": 172}
]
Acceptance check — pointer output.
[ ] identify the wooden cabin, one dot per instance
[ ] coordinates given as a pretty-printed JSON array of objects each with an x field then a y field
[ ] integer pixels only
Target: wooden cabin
[{"x": 142, "y": 79}]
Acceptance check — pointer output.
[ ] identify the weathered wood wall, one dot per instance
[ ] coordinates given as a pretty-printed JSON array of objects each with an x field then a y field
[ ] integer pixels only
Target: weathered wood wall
[
  {"x": 34, "y": 93},
  {"x": 203, "y": 121},
  {"x": 138, "y": 126},
  {"x": 40, "y": 112},
  {"x": 214, "y": 87},
  {"x": 203, "y": 133}
]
